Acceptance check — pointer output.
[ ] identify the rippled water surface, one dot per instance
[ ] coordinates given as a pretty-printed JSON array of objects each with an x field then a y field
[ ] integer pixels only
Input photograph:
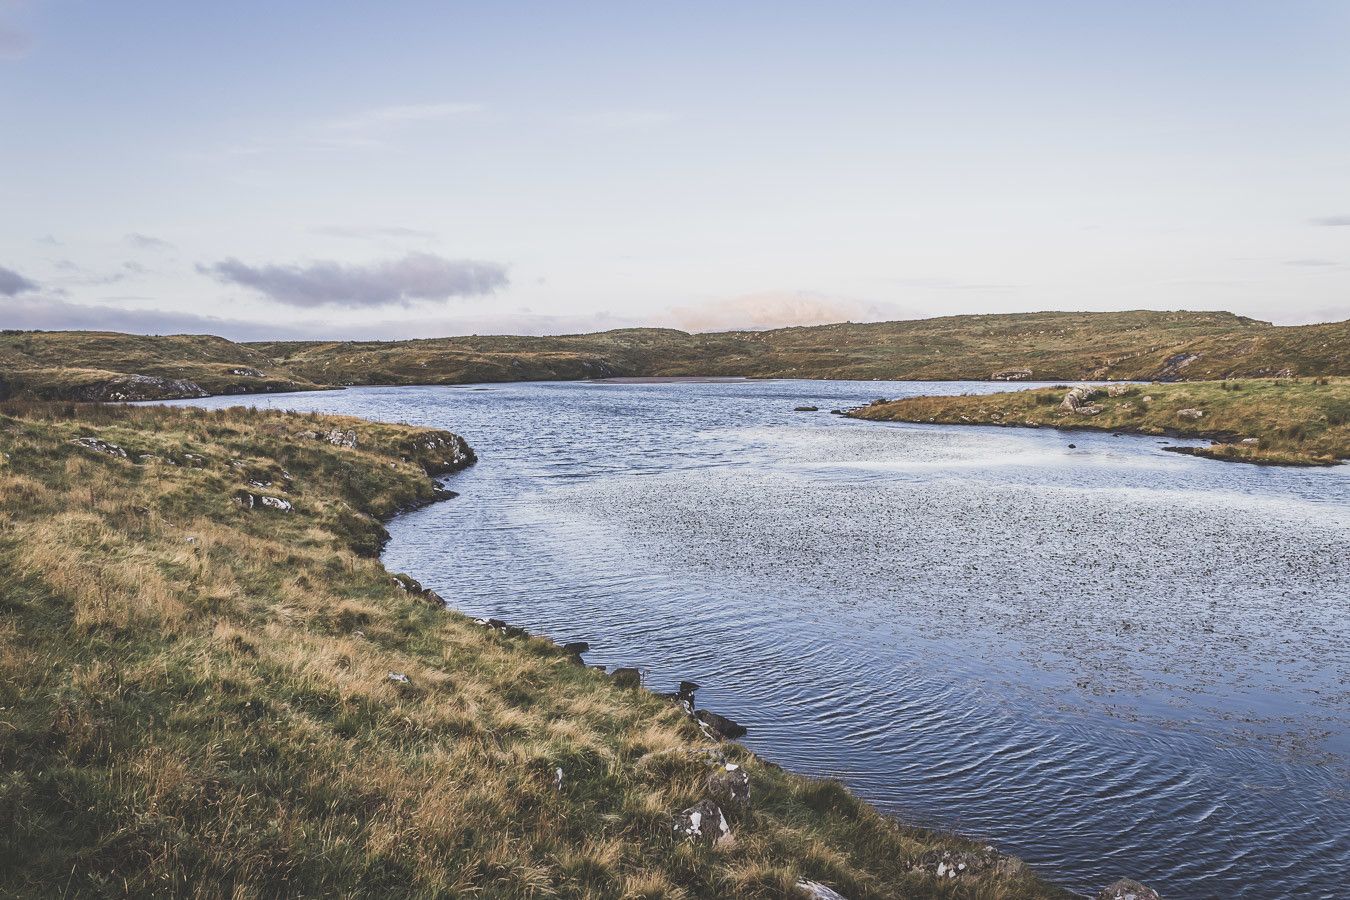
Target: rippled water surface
[{"x": 1109, "y": 660}]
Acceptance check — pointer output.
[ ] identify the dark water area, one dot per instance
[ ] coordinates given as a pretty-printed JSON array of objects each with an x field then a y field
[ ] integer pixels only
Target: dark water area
[{"x": 1109, "y": 660}]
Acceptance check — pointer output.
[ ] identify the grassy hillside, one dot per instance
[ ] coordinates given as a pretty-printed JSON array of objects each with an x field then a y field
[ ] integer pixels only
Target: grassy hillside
[
  {"x": 1138, "y": 345},
  {"x": 1280, "y": 421},
  {"x": 100, "y": 365},
  {"x": 1048, "y": 345},
  {"x": 209, "y": 686}
]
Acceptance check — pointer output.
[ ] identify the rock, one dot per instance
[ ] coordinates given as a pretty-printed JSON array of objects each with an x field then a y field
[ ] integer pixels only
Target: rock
[
  {"x": 246, "y": 372},
  {"x": 100, "y": 446},
  {"x": 806, "y": 409},
  {"x": 1073, "y": 446},
  {"x": 577, "y": 647},
  {"x": 1173, "y": 365},
  {"x": 1127, "y": 889},
  {"x": 398, "y": 677},
  {"x": 139, "y": 387},
  {"x": 729, "y": 788},
  {"x": 818, "y": 891},
  {"x": 703, "y": 824},
  {"x": 952, "y": 864},
  {"x": 1191, "y": 413},
  {"x": 627, "y": 677},
  {"x": 1091, "y": 410},
  {"x": 249, "y": 500},
  {"x": 1011, "y": 375},
  {"x": 1118, "y": 390},
  {"x": 1250, "y": 442},
  {"x": 1146, "y": 398},
  {"x": 1079, "y": 396},
  {"x": 558, "y": 779},
  {"x": 339, "y": 438},
  {"x": 721, "y": 725},
  {"x": 500, "y": 626}
]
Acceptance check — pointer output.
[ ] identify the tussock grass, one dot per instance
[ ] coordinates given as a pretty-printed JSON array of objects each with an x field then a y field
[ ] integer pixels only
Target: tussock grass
[
  {"x": 1273, "y": 421},
  {"x": 195, "y": 701}
]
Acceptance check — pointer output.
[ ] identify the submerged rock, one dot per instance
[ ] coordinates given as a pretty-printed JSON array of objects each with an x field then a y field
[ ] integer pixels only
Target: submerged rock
[
  {"x": 1127, "y": 889},
  {"x": 806, "y": 409}
]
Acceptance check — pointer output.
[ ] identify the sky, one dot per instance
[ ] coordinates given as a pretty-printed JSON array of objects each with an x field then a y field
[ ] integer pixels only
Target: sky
[{"x": 416, "y": 168}]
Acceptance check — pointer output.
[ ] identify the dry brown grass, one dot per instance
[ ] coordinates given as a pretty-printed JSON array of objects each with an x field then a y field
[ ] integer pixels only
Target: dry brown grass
[{"x": 194, "y": 701}]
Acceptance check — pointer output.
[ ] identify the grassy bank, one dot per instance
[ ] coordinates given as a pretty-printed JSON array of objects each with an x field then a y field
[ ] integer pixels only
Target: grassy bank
[
  {"x": 1044, "y": 346},
  {"x": 202, "y": 693},
  {"x": 104, "y": 365},
  {"x": 1274, "y": 421}
]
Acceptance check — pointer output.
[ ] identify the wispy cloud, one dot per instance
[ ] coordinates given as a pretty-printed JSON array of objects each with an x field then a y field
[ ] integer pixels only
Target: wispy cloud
[
  {"x": 623, "y": 119},
  {"x": 1331, "y": 221},
  {"x": 147, "y": 241},
  {"x": 368, "y": 232},
  {"x": 384, "y": 117},
  {"x": 1310, "y": 263},
  {"x": 417, "y": 276},
  {"x": 12, "y": 283},
  {"x": 14, "y": 44}
]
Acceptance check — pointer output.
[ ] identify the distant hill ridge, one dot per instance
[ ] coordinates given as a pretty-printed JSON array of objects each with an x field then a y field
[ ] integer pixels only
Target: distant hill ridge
[{"x": 1050, "y": 346}]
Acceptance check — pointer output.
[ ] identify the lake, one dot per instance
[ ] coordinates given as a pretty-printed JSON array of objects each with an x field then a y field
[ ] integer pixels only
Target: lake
[{"x": 1104, "y": 658}]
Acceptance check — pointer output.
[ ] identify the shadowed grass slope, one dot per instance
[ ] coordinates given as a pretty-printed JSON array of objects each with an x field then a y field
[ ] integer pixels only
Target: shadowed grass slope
[
  {"x": 1277, "y": 421},
  {"x": 195, "y": 697}
]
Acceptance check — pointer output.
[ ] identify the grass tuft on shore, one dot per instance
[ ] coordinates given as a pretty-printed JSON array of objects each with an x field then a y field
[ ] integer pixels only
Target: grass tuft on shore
[
  {"x": 1278, "y": 421},
  {"x": 195, "y": 697}
]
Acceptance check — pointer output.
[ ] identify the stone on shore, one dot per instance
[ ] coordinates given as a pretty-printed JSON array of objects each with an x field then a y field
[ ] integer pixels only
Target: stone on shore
[{"x": 1127, "y": 889}]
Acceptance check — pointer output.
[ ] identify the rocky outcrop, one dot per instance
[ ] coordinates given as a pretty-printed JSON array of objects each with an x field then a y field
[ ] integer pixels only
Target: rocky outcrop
[
  {"x": 126, "y": 388},
  {"x": 1079, "y": 398},
  {"x": 729, "y": 788},
  {"x": 1174, "y": 366},
  {"x": 957, "y": 864},
  {"x": 1011, "y": 375},
  {"x": 413, "y": 587},
  {"x": 806, "y": 409},
  {"x": 100, "y": 446},
  {"x": 1192, "y": 414},
  {"x": 817, "y": 891},
  {"x": 1127, "y": 889},
  {"x": 250, "y": 500},
  {"x": 703, "y": 824}
]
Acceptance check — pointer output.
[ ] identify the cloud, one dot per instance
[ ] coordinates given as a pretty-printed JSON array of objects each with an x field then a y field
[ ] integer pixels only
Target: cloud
[
  {"x": 1331, "y": 221},
  {"x": 14, "y": 44},
  {"x": 372, "y": 232},
  {"x": 1310, "y": 262},
  {"x": 387, "y": 116},
  {"x": 778, "y": 309},
  {"x": 45, "y": 313},
  {"x": 417, "y": 276},
  {"x": 12, "y": 283},
  {"x": 624, "y": 119},
  {"x": 147, "y": 242},
  {"x": 50, "y": 314}
]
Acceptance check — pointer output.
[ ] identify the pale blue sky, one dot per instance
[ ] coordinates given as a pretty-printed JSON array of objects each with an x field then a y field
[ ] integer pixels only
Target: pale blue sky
[{"x": 415, "y": 168}]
